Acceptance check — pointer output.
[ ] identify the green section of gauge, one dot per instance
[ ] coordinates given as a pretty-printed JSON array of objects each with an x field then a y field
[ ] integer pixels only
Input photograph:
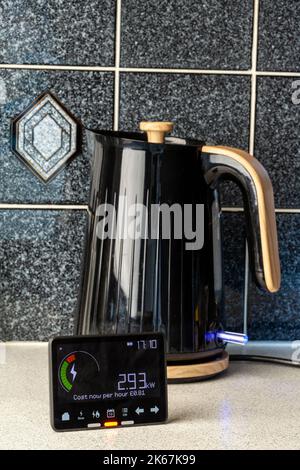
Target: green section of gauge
[{"x": 63, "y": 376}]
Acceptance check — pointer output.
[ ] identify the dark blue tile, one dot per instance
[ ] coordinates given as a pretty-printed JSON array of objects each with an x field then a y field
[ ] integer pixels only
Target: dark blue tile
[
  {"x": 279, "y": 35},
  {"x": 277, "y": 316},
  {"x": 41, "y": 255},
  {"x": 214, "y": 108},
  {"x": 277, "y": 143},
  {"x": 195, "y": 34},
  {"x": 233, "y": 270},
  {"x": 57, "y": 32},
  {"x": 87, "y": 95},
  {"x": 230, "y": 194}
]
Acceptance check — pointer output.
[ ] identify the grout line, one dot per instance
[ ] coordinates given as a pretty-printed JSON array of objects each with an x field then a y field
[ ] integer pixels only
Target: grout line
[
  {"x": 44, "y": 206},
  {"x": 85, "y": 207},
  {"x": 287, "y": 211},
  {"x": 280, "y": 210},
  {"x": 277, "y": 74},
  {"x": 96, "y": 68},
  {"x": 118, "y": 34},
  {"x": 117, "y": 65},
  {"x": 246, "y": 290},
  {"x": 116, "y": 100},
  {"x": 83, "y": 68},
  {"x": 232, "y": 209},
  {"x": 251, "y": 144},
  {"x": 253, "y": 77},
  {"x": 184, "y": 71}
]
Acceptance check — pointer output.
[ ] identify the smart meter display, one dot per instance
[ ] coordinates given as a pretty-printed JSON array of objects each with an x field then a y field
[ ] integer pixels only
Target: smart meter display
[{"x": 107, "y": 381}]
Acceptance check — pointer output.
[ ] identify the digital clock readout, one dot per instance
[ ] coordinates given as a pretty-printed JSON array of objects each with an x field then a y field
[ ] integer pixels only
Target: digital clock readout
[{"x": 147, "y": 344}]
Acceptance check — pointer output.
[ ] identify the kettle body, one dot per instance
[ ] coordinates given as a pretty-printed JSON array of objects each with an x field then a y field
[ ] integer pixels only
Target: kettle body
[{"x": 153, "y": 257}]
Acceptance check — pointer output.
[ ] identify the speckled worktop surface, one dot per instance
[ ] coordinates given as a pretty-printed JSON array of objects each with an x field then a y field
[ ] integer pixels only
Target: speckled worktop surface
[{"x": 254, "y": 405}]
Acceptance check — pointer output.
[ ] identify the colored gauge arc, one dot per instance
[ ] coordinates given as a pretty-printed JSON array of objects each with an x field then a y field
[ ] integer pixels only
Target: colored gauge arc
[{"x": 68, "y": 372}]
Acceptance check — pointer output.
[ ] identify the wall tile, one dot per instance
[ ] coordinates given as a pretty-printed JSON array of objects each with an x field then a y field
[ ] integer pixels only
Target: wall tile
[
  {"x": 277, "y": 137},
  {"x": 57, "y": 32},
  {"x": 88, "y": 95},
  {"x": 40, "y": 251},
  {"x": 279, "y": 35},
  {"x": 276, "y": 316},
  {"x": 233, "y": 269},
  {"x": 194, "y": 34},
  {"x": 41, "y": 258},
  {"x": 214, "y": 108}
]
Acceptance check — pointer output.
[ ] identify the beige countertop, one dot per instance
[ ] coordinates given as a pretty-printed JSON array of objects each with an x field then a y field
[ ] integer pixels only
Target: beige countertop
[{"x": 254, "y": 405}]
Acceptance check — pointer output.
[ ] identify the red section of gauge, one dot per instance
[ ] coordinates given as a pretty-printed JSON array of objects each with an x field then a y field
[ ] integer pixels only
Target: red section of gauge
[{"x": 71, "y": 358}]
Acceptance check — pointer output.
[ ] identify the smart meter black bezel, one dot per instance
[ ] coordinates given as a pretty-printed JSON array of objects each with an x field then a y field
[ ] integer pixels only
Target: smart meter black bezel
[{"x": 55, "y": 405}]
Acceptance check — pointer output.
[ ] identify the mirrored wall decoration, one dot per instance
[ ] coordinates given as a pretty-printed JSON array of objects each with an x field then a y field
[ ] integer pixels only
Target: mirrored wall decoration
[{"x": 46, "y": 136}]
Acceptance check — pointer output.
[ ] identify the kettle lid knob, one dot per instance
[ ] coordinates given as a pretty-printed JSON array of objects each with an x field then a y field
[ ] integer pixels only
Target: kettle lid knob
[{"x": 156, "y": 130}]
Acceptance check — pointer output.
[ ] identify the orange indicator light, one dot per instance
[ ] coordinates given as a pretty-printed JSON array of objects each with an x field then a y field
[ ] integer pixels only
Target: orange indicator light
[{"x": 111, "y": 424}]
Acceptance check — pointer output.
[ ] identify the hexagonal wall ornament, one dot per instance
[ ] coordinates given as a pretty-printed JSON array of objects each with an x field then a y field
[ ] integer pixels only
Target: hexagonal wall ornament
[{"x": 46, "y": 136}]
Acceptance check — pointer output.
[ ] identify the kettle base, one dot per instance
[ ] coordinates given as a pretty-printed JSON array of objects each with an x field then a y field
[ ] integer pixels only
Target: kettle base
[{"x": 201, "y": 371}]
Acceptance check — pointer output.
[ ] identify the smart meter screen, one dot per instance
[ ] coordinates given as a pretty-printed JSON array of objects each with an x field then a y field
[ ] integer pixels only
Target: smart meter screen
[{"x": 107, "y": 381}]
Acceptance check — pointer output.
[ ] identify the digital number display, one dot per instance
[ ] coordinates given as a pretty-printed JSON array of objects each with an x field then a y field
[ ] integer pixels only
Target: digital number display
[
  {"x": 107, "y": 381},
  {"x": 147, "y": 344},
  {"x": 134, "y": 381}
]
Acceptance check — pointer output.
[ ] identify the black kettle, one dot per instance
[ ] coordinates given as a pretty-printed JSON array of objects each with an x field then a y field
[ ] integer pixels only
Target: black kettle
[{"x": 154, "y": 249}]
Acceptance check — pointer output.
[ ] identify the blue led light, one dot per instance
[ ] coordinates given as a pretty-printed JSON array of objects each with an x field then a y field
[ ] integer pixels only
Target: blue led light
[
  {"x": 227, "y": 336},
  {"x": 210, "y": 336},
  {"x": 231, "y": 337}
]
